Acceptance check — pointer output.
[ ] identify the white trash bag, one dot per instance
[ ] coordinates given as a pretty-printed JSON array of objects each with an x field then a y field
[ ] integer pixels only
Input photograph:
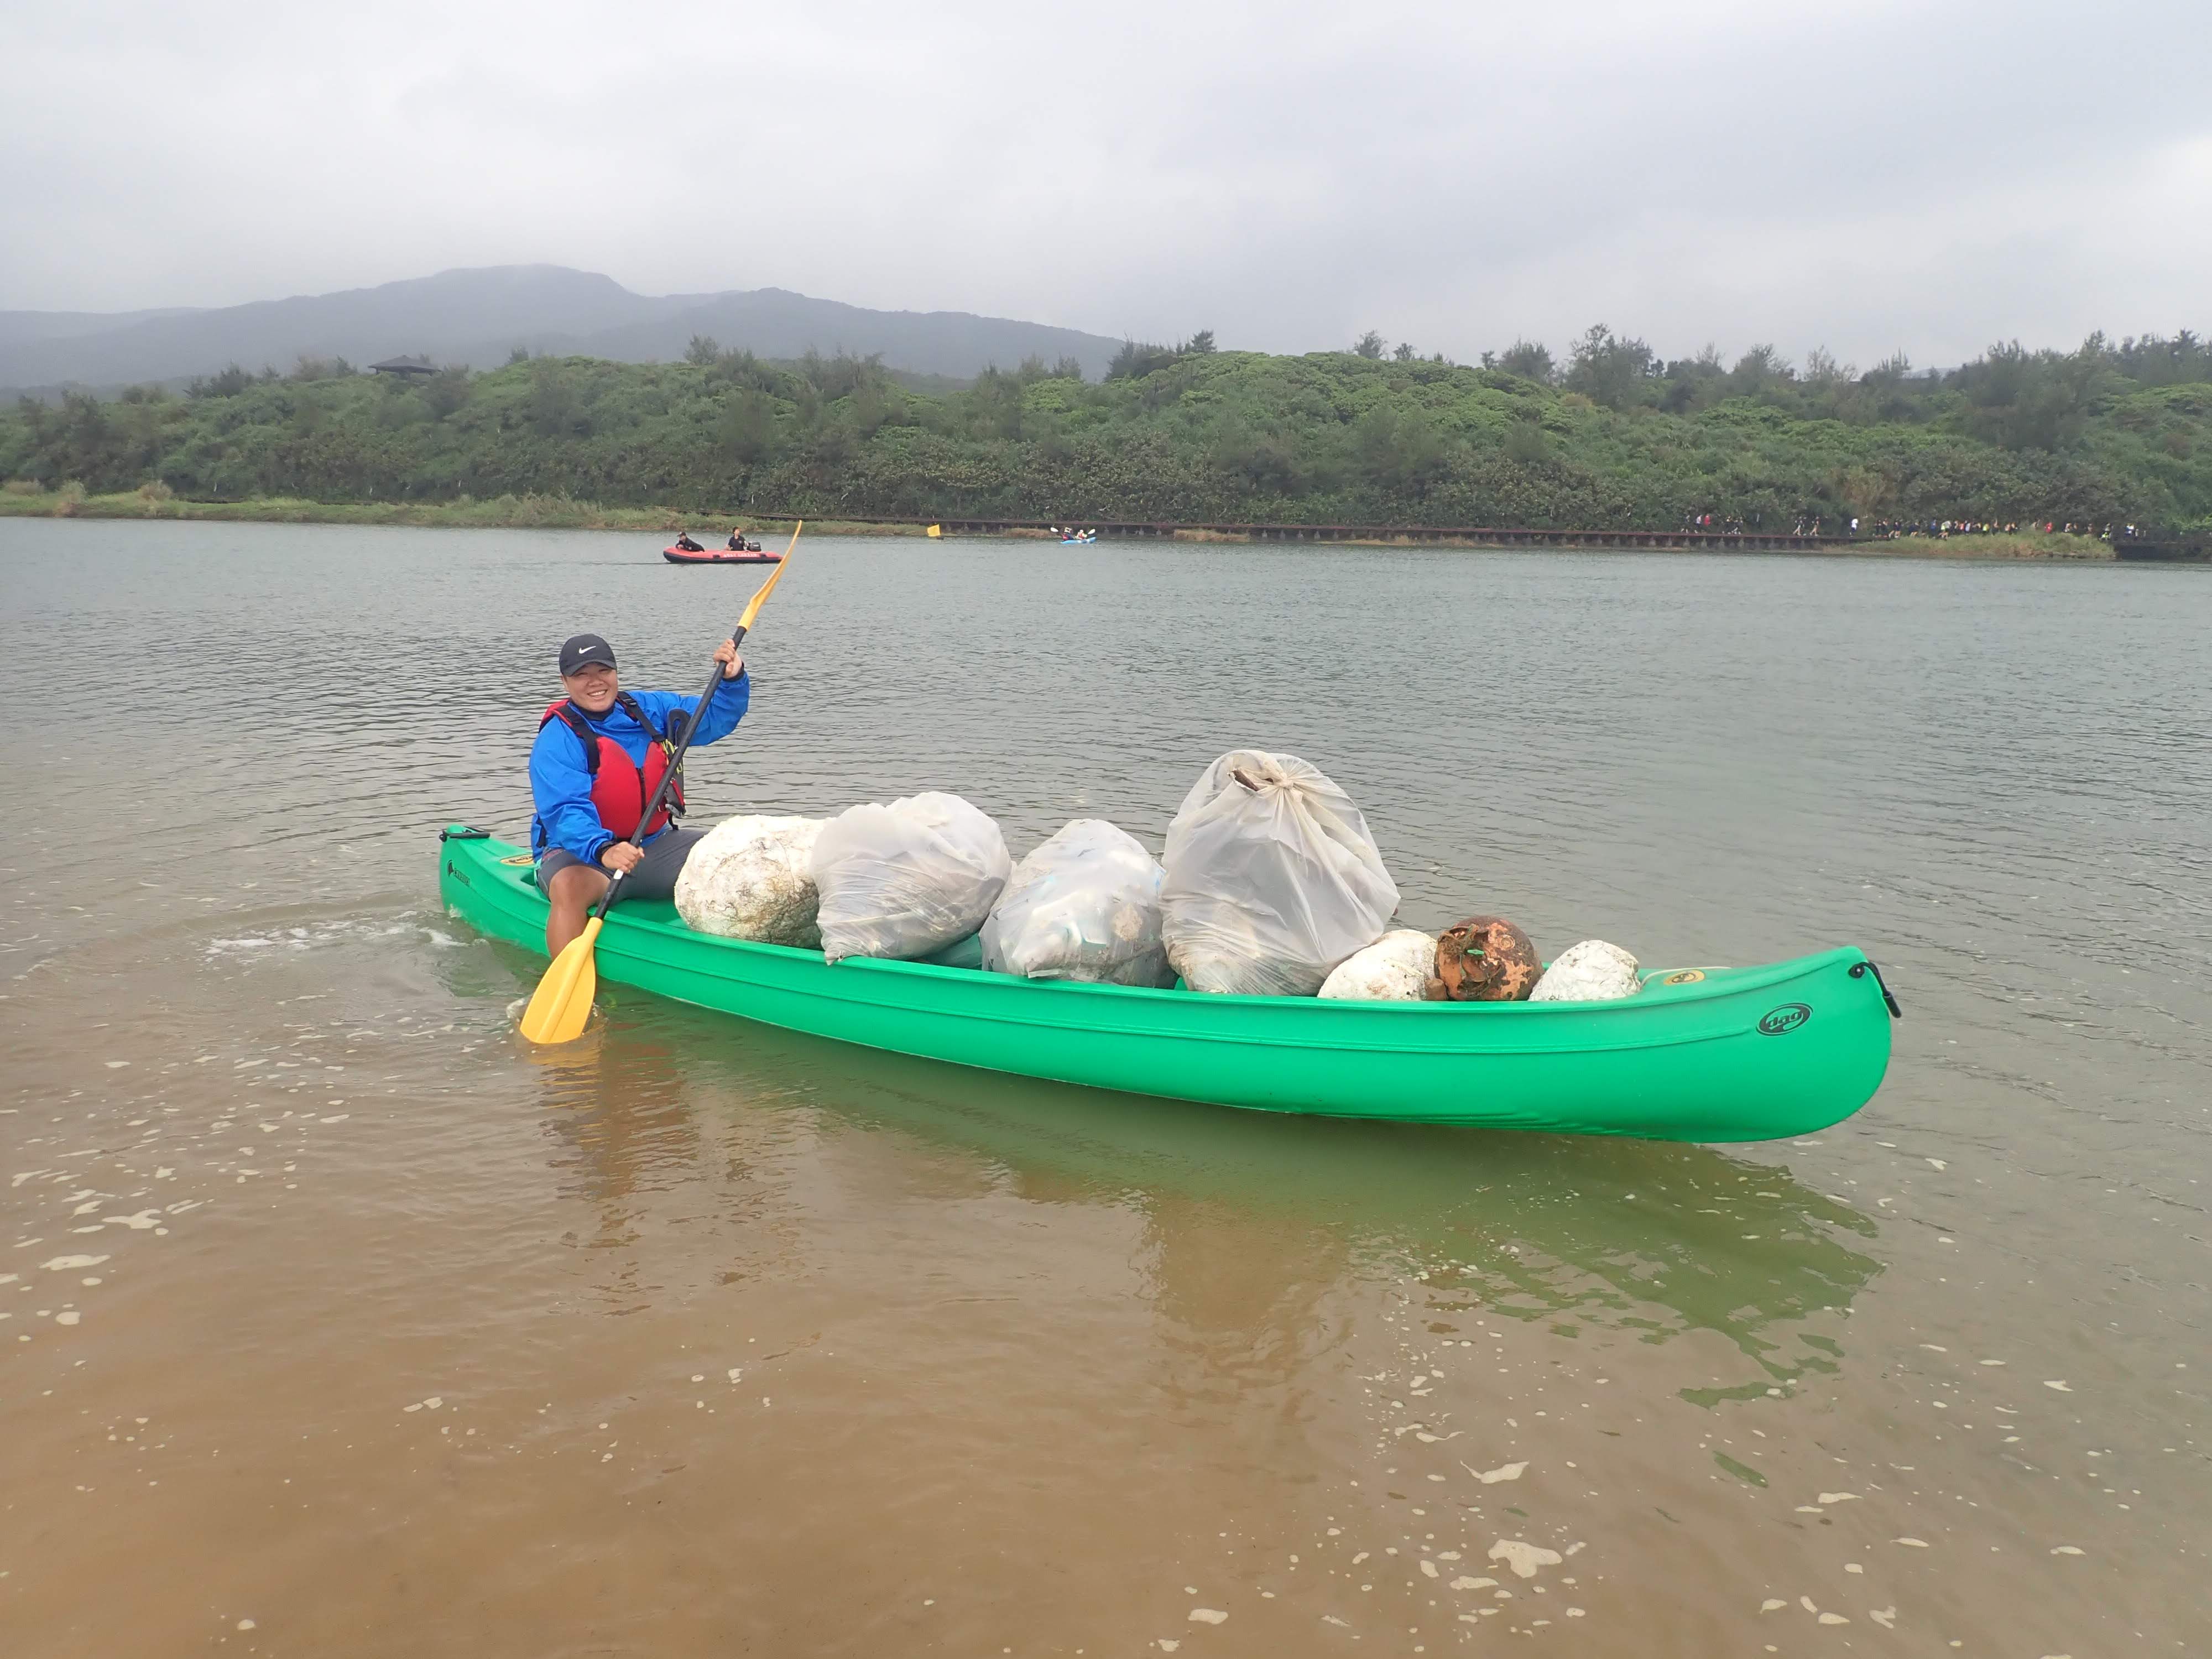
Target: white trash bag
[
  {"x": 1273, "y": 878},
  {"x": 903, "y": 880},
  {"x": 1086, "y": 906},
  {"x": 1395, "y": 968},
  {"x": 1592, "y": 971},
  {"x": 752, "y": 877}
]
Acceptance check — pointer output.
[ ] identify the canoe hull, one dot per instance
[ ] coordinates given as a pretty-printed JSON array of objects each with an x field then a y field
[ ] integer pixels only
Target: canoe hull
[{"x": 1736, "y": 1054}]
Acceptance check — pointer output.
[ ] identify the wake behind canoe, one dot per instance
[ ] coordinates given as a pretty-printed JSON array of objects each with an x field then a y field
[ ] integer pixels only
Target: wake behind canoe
[{"x": 1748, "y": 1054}]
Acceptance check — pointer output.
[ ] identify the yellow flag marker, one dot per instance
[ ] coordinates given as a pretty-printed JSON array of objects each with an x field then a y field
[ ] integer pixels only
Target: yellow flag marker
[
  {"x": 934, "y": 531},
  {"x": 563, "y": 1001}
]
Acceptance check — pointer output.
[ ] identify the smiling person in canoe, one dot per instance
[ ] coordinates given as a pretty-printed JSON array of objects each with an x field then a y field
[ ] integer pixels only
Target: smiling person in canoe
[{"x": 600, "y": 753}]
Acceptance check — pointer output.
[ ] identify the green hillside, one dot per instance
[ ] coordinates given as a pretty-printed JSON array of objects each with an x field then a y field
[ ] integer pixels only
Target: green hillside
[{"x": 1613, "y": 439}]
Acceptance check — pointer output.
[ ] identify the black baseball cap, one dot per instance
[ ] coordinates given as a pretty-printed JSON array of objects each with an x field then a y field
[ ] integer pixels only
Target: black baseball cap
[{"x": 586, "y": 649}]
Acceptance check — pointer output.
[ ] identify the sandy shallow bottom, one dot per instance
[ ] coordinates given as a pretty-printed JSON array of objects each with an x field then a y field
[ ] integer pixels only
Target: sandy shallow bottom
[{"x": 382, "y": 1331}]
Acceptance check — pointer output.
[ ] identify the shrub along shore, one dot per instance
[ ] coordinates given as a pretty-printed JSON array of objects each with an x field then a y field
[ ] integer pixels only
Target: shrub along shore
[
  {"x": 563, "y": 513},
  {"x": 1615, "y": 440},
  {"x": 465, "y": 513}
]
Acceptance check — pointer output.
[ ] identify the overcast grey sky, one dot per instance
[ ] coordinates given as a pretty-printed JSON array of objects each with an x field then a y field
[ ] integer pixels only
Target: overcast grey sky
[{"x": 1870, "y": 175}]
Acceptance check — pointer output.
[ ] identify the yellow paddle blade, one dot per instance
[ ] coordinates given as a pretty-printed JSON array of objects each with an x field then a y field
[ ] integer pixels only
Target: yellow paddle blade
[
  {"x": 562, "y": 1003},
  {"x": 774, "y": 577},
  {"x": 934, "y": 530}
]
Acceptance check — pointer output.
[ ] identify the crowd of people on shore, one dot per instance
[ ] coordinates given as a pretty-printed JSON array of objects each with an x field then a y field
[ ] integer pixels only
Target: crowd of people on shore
[
  {"x": 1943, "y": 529},
  {"x": 1895, "y": 529}
]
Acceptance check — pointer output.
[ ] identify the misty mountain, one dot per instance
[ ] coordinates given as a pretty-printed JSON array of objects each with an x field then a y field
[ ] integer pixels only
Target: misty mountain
[
  {"x": 478, "y": 317},
  {"x": 19, "y": 327}
]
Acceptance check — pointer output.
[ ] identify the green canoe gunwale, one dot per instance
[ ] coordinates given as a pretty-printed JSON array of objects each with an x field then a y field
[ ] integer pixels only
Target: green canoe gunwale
[{"x": 1681, "y": 1062}]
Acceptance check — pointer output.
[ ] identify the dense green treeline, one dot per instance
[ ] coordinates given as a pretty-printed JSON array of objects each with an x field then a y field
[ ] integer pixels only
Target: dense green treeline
[{"x": 1615, "y": 437}]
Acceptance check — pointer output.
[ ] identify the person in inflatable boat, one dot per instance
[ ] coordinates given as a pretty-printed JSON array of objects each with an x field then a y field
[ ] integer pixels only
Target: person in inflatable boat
[{"x": 599, "y": 754}]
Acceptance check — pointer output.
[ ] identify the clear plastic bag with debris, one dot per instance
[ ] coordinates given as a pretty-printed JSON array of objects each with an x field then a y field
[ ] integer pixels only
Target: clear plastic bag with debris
[
  {"x": 1273, "y": 878},
  {"x": 902, "y": 880},
  {"x": 752, "y": 877},
  {"x": 1086, "y": 905}
]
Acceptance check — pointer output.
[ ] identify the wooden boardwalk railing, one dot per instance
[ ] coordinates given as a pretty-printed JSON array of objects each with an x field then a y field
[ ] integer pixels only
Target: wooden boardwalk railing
[{"x": 1474, "y": 535}]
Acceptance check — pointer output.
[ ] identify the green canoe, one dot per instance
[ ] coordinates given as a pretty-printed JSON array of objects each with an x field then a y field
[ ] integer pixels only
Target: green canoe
[{"x": 1718, "y": 1053}]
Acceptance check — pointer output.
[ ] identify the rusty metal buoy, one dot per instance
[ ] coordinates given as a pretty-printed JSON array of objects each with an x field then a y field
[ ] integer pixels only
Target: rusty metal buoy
[{"x": 1484, "y": 959}]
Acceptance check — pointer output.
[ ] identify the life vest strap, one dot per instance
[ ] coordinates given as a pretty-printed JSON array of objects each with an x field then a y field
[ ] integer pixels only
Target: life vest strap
[{"x": 640, "y": 779}]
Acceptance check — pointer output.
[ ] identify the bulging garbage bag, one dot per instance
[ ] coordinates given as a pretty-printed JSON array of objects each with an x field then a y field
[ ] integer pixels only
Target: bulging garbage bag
[
  {"x": 1086, "y": 905},
  {"x": 1484, "y": 959},
  {"x": 752, "y": 877},
  {"x": 903, "y": 880},
  {"x": 1395, "y": 968},
  {"x": 1273, "y": 878},
  {"x": 1592, "y": 971}
]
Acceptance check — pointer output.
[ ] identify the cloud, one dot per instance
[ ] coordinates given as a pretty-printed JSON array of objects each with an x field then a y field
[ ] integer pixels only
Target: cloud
[{"x": 1866, "y": 175}]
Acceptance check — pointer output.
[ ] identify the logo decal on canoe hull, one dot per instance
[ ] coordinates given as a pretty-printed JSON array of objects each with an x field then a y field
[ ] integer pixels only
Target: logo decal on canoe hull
[
  {"x": 1684, "y": 976},
  {"x": 1779, "y": 1022}
]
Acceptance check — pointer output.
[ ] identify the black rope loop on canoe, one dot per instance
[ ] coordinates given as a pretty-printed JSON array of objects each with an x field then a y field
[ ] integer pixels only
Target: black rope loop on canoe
[{"x": 1861, "y": 969}]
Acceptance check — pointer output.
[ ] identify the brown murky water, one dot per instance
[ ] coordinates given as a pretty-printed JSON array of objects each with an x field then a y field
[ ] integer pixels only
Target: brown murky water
[{"x": 334, "y": 1321}]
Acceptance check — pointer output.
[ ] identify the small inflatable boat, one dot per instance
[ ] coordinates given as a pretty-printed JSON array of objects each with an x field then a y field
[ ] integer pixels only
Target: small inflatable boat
[{"x": 706, "y": 555}]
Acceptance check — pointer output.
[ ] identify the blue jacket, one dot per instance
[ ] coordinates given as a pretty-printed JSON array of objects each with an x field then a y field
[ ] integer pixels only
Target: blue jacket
[{"x": 561, "y": 779}]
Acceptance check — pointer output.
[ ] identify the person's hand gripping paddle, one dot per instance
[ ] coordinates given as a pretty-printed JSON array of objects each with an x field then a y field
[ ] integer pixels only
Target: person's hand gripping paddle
[{"x": 563, "y": 999}]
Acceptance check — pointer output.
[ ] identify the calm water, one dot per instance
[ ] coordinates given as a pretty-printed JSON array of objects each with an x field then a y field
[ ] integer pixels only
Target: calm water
[{"x": 327, "y": 1306}]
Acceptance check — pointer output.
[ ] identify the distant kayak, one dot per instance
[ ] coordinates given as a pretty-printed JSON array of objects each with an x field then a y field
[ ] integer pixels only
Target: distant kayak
[{"x": 678, "y": 555}]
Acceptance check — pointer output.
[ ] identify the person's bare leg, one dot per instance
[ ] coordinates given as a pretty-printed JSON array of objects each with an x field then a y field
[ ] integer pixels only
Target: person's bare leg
[{"x": 572, "y": 893}]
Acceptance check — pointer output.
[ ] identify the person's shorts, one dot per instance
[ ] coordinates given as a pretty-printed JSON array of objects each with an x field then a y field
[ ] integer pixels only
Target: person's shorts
[{"x": 654, "y": 879}]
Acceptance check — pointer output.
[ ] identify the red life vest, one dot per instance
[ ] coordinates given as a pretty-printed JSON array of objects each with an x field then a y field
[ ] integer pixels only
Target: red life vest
[{"x": 620, "y": 786}]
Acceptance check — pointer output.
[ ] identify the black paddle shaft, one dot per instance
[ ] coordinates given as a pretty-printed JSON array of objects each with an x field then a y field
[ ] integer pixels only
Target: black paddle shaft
[{"x": 668, "y": 778}]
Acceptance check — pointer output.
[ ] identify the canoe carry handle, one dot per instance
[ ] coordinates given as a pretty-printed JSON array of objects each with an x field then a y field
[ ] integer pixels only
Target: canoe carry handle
[{"x": 1861, "y": 969}]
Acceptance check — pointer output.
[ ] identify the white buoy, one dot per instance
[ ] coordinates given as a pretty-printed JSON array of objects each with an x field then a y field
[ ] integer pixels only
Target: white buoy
[{"x": 1592, "y": 971}]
